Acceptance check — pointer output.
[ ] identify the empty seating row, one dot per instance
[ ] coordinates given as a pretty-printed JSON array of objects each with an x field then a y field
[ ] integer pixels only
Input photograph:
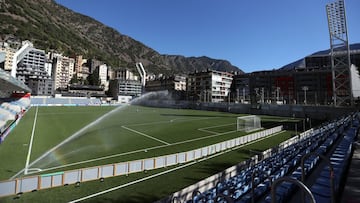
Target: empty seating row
[
  {"x": 284, "y": 191},
  {"x": 318, "y": 141},
  {"x": 339, "y": 160},
  {"x": 64, "y": 101},
  {"x": 255, "y": 181},
  {"x": 321, "y": 189},
  {"x": 9, "y": 110},
  {"x": 261, "y": 175}
]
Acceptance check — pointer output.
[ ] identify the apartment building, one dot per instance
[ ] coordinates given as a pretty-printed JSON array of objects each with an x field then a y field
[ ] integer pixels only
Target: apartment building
[
  {"x": 308, "y": 83},
  {"x": 82, "y": 69},
  {"x": 172, "y": 83},
  {"x": 63, "y": 70},
  {"x": 8, "y": 56},
  {"x": 209, "y": 86},
  {"x": 125, "y": 90},
  {"x": 31, "y": 70},
  {"x": 125, "y": 74}
]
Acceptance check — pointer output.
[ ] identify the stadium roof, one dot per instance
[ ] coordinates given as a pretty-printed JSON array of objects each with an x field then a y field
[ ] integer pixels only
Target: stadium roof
[
  {"x": 9, "y": 84},
  {"x": 354, "y": 48}
]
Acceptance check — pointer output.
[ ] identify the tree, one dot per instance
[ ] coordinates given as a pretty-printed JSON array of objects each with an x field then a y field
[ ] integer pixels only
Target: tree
[
  {"x": 93, "y": 79},
  {"x": 74, "y": 79}
]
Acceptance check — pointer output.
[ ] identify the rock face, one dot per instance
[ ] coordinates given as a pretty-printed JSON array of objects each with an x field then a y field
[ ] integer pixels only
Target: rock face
[{"x": 51, "y": 26}]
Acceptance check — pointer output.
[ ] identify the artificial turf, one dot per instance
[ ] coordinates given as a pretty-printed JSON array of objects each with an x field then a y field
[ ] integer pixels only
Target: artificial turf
[{"x": 176, "y": 127}]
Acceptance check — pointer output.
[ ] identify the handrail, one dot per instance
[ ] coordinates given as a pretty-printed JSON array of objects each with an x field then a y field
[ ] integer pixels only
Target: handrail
[
  {"x": 253, "y": 185},
  {"x": 289, "y": 179},
  {"x": 327, "y": 160}
]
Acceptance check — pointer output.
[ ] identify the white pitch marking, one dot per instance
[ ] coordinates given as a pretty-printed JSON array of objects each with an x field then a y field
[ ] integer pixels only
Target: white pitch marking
[
  {"x": 135, "y": 151},
  {"x": 67, "y": 140},
  {"x": 31, "y": 142},
  {"x": 176, "y": 119},
  {"x": 213, "y": 132},
  {"x": 167, "y": 171},
  {"x": 207, "y": 131},
  {"x": 134, "y": 182},
  {"x": 143, "y": 134}
]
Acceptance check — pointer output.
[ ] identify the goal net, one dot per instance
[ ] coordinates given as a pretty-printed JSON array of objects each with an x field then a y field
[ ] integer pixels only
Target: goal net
[{"x": 248, "y": 123}]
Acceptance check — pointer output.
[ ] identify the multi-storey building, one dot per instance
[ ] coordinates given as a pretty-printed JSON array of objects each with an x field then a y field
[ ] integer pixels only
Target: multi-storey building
[
  {"x": 125, "y": 90},
  {"x": 63, "y": 70},
  {"x": 173, "y": 83},
  {"x": 125, "y": 86},
  {"x": 130, "y": 88},
  {"x": 240, "y": 90},
  {"x": 125, "y": 74},
  {"x": 179, "y": 83},
  {"x": 301, "y": 86},
  {"x": 93, "y": 64},
  {"x": 9, "y": 55},
  {"x": 2, "y": 59},
  {"x": 78, "y": 64},
  {"x": 83, "y": 67},
  {"x": 309, "y": 81},
  {"x": 209, "y": 86},
  {"x": 102, "y": 71},
  {"x": 31, "y": 70},
  {"x": 86, "y": 90}
]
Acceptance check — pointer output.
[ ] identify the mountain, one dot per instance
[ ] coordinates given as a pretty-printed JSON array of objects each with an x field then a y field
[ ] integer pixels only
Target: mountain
[
  {"x": 301, "y": 62},
  {"x": 51, "y": 26}
]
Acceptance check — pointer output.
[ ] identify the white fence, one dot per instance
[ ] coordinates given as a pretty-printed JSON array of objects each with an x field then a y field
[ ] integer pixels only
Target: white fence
[
  {"x": 28, "y": 184},
  {"x": 211, "y": 182}
]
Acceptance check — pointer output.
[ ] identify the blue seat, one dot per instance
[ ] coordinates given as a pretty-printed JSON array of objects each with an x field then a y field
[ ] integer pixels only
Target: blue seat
[{"x": 321, "y": 193}]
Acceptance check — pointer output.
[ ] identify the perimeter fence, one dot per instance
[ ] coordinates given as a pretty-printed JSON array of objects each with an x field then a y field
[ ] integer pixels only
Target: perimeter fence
[{"x": 44, "y": 181}]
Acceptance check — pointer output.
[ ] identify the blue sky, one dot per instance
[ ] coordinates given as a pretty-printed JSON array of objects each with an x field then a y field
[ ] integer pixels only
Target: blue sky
[{"x": 251, "y": 34}]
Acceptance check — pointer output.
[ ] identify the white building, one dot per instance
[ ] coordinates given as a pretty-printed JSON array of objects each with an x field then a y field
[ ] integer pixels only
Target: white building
[
  {"x": 125, "y": 90},
  {"x": 180, "y": 83},
  {"x": 125, "y": 74},
  {"x": 355, "y": 81},
  {"x": 63, "y": 70},
  {"x": 209, "y": 86},
  {"x": 103, "y": 74},
  {"x": 9, "y": 56}
]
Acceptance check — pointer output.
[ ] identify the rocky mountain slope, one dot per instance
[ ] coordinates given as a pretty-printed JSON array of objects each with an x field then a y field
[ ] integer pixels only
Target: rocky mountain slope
[{"x": 51, "y": 26}]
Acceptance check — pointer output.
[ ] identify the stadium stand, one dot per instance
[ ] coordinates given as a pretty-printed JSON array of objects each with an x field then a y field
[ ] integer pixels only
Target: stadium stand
[
  {"x": 2, "y": 124},
  {"x": 65, "y": 101},
  {"x": 14, "y": 101},
  {"x": 252, "y": 184},
  {"x": 8, "y": 85},
  {"x": 351, "y": 191},
  {"x": 12, "y": 109}
]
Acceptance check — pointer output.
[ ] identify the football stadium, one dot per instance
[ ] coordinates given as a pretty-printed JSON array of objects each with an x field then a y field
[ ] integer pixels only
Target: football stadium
[
  {"x": 74, "y": 129},
  {"x": 76, "y": 149}
]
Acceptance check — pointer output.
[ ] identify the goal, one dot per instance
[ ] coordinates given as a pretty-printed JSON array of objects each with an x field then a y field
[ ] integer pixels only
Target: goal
[{"x": 248, "y": 123}]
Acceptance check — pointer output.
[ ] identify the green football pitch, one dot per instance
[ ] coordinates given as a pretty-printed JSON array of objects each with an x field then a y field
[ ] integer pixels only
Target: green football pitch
[{"x": 65, "y": 138}]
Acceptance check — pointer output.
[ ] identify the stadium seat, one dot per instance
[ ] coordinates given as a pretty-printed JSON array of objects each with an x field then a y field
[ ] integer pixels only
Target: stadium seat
[
  {"x": 287, "y": 162},
  {"x": 71, "y": 101}
]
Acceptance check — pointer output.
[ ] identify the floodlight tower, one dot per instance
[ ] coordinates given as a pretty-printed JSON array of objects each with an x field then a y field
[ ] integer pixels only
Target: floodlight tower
[{"x": 340, "y": 53}]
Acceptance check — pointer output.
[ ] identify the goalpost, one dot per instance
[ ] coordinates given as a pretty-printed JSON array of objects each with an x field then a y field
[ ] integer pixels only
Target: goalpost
[{"x": 248, "y": 123}]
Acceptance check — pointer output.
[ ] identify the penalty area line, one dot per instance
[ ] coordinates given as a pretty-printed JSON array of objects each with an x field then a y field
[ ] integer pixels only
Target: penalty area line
[
  {"x": 136, "y": 151},
  {"x": 213, "y": 132},
  {"x": 169, "y": 171},
  {"x": 147, "y": 178},
  {"x": 143, "y": 134}
]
